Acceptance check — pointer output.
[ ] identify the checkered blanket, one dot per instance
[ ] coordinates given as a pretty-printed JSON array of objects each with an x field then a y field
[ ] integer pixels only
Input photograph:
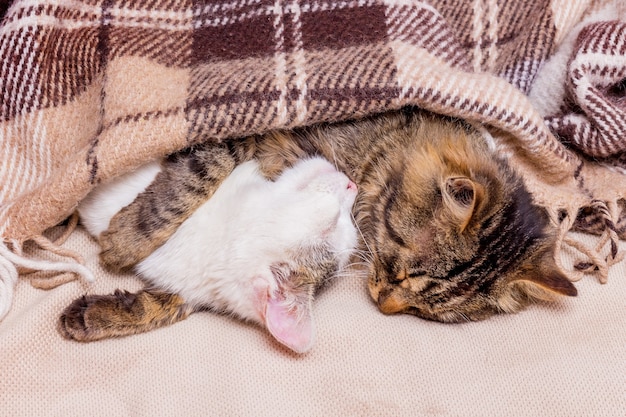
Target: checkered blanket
[{"x": 93, "y": 89}]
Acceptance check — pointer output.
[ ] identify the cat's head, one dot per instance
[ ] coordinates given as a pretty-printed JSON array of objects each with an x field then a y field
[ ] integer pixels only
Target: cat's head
[
  {"x": 459, "y": 237},
  {"x": 316, "y": 224}
]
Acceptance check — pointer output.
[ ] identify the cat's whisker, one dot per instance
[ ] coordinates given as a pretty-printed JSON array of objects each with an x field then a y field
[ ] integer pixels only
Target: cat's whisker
[
  {"x": 362, "y": 236},
  {"x": 363, "y": 254},
  {"x": 461, "y": 315},
  {"x": 349, "y": 271},
  {"x": 332, "y": 149},
  {"x": 357, "y": 262},
  {"x": 365, "y": 257},
  {"x": 354, "y": 270},
  {"x": 342, "y": 274},
  {"x": 458, "y": 316},
  {"x": 348, "y": 251}
]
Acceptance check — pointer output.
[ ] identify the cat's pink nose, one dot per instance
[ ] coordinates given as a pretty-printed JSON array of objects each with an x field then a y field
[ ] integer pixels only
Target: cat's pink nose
[{"x": 351, "y": 186}]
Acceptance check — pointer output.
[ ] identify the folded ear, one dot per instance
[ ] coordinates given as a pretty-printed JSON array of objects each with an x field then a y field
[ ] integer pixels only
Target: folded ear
[
  {"x": 291, "y": 323},
  {"x": 286, "y": 307},
  {"x": 547, "y": 276},
  {"x": 461, "y": 198}
]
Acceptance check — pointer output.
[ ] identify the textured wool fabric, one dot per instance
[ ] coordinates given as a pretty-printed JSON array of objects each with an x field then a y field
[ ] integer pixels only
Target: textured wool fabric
[
  {"x": 561, "y": 360},
  {"x": 91, "y": 90}
]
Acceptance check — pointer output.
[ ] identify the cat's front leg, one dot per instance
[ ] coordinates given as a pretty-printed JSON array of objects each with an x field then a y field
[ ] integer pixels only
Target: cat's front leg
[
  {"x": 187, "y": 180},
  {"x": 96, "y": 317}
]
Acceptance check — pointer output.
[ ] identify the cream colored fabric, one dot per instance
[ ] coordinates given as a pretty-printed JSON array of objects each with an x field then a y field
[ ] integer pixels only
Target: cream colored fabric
[{"x": 564, "y": 360}]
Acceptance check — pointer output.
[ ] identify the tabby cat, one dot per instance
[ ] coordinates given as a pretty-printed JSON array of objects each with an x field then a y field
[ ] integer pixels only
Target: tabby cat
[{"x": 449, "y": 232}]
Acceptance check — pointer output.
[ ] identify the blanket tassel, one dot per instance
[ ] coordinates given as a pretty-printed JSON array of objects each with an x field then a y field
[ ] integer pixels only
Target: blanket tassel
[
  {"x": 13, "y": 263},
  {"x": 595, "y": 263}
]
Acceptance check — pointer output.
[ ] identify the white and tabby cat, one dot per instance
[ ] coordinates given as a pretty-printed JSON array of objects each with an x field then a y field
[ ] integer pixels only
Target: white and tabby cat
[
  {"x": 257, "y": 249},
  {"x": 448, "y": 230}
]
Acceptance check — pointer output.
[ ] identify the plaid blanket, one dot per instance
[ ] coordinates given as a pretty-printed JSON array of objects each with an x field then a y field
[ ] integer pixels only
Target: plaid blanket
[{"x": 93, "y": 89}]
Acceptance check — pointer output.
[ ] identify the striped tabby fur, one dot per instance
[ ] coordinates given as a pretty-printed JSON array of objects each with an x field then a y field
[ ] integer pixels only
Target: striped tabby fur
[{"x": 449, "y": 231}]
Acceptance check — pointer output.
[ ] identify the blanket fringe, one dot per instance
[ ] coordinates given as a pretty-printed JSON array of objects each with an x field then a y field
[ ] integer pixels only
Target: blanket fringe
[
  {"x": 44, "y": 274},
  {"x": 596, "y": 263}
]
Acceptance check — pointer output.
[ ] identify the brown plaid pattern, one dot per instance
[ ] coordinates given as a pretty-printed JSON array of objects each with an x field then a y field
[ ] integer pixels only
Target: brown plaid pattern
[
  {"x": 593, "y": 121},
  {"x": 93, "y": 89}
]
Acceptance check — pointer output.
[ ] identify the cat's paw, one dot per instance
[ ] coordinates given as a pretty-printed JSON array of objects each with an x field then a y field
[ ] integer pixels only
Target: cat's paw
[
  {"x": 95, "y": 317},
  {"x": 117, "y": 254},
  {"x": 123, "y": 245},
  {"x": 80, "y": 321}
]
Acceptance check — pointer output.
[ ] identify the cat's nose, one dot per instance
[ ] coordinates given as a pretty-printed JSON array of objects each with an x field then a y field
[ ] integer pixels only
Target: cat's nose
[
  {"x": 351, "y": 186},
  {"x": 390, "y": 302}
]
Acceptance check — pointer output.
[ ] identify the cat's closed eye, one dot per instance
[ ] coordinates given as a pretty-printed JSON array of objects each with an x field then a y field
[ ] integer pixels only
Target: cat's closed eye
[{"x": 405, "y": 274}]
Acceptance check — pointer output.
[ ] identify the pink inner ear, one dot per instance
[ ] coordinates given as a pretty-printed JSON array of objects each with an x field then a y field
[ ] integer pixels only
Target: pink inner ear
[{"x": 291, "y": 327}]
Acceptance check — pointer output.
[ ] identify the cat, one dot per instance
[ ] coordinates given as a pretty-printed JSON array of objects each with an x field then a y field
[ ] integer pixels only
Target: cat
[
  {"x": 449, "y": 231},
  {"x": 257, "y": 250}
]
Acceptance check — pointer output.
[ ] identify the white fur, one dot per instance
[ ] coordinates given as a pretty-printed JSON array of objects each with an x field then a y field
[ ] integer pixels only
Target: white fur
[
  {"x": 97, "y": 209},
  {"x": 221, "y": 255},
  {"x": 246, "y": 226}
]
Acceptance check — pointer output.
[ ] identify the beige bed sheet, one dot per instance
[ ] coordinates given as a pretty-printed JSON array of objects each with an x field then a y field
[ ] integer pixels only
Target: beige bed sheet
[{"x": 562, "y": 360}]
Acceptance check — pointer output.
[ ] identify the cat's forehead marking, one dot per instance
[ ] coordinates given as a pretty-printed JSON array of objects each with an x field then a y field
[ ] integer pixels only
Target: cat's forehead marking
[{"x": 391, "y": 231}]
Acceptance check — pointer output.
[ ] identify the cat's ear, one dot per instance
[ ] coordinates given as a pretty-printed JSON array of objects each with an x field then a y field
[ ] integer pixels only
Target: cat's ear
[
  {"x": 290, "y": 324},
  {"x": 541, "y": 280},
  {"x": 287, "y": 316},
  {"x": 546, "y": 275},
  {"x": 461, "y": 198}
]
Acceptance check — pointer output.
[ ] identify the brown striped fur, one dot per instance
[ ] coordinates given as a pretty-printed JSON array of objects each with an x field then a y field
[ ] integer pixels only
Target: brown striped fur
[
  {"x": 95, "y": 317},
  {"x": 187, "y": 178},
  {"x": 449, "y": 231}
]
